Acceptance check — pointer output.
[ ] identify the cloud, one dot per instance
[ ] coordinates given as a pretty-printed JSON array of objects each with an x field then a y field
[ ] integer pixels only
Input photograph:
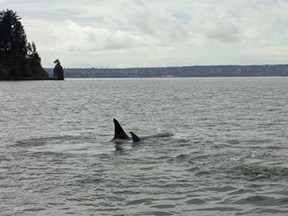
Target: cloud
[
  {"x": 219, "y": 26},
  {"x": 134, "y": 22},
  {"x": 151, "y": 31},
  {"x": 157, "y": 23},
  {"x": 72, "y": 37}
]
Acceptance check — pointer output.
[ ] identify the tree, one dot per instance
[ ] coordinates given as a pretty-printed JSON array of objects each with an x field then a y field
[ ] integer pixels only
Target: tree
[
  {"x": 34, "y": 49},
  {"x": 13, "y": 37},
  {"x": 29, "y": 48},
  {"x": 18, "y": 58}
]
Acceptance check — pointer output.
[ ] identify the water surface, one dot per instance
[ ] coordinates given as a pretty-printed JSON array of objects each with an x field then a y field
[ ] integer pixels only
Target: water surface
[{"x": 228, "y": 155}]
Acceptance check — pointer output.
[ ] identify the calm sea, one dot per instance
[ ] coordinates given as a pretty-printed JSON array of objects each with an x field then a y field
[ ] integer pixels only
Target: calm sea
[{"x": 228, "y": 155}]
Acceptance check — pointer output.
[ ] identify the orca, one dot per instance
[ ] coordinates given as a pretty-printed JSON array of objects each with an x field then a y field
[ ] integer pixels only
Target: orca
[
  {"x": 135, "y": 138},
  {"x": 120, "y": 135}
]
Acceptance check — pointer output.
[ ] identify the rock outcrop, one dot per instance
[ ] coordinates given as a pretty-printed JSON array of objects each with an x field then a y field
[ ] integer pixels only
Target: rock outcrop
[{"x": 58, "y": 72}]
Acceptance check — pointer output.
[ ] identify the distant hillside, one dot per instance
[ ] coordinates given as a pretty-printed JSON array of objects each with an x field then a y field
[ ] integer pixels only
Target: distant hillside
[{"x": 187, "y": 71}]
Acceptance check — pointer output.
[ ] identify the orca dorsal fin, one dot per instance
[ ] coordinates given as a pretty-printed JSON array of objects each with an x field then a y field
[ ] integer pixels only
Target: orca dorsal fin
[
  {"x": 135, "y": 138},
  {"x": 119, "y": 133}
]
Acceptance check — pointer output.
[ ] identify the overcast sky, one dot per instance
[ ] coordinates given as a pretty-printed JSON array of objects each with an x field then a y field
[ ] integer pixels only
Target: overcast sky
[{"x": 144, "y": 33}]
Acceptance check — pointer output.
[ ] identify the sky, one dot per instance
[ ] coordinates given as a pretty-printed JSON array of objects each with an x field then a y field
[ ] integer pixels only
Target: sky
[{"x": 155, "y": 33}]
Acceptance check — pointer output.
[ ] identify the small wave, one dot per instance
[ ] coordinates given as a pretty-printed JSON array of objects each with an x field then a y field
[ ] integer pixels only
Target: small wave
[
  {"x": 233, "y": 142},
  {"x": 261, "y": 200},
  {"x": 40, "y": 141},
  {"x": 182, "y": 157},
  {"x": 263, "y": 211},
  {"x": 89, "y": 180},
  {"x": 156, "y": 213},
  {"x": 164, "y": 206},
  {"x": 196, "y": 202},
  {"x": 33, "y": 209},
  {"x": 179, "y": 158},
  {"x": 259, "y": 172},
  {"x": 146, "y": 201},
  {"x": 220, "y": 209}
]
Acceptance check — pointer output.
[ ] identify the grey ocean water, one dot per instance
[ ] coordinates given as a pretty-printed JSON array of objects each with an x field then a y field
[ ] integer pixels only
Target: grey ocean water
[{"x": 228, "y": 155}]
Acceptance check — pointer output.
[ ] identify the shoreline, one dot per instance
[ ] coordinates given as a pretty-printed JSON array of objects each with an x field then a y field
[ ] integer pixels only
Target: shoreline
[{"x": 30, "y": 79}]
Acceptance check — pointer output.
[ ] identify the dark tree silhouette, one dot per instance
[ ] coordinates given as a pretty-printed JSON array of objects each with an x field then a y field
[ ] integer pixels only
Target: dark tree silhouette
[
  {"x": 18, "y": 59},
  {"x": 12, "y": 34},
  {"x": 34, "y": 49},
  {"x": 29, "y": 48}
]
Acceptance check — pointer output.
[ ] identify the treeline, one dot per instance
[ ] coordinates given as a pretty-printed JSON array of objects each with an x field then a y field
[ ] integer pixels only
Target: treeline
[{"x": 187, "y": 71}]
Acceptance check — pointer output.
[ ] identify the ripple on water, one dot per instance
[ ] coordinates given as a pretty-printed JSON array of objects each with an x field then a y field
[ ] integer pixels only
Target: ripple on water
[
  {"x": 196, "y": 202},
  {"x": 154, "y": 213},
  {"x": 263, "y": 211},
  {"x": 261, "y": 200},
  {"x": 254, "y": 172}
]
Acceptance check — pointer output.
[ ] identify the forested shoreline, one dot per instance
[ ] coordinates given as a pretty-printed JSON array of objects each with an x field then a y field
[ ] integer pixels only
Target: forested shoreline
[
  {"x": 185, "y": 71},
  {"x": 19, "y": 59}
]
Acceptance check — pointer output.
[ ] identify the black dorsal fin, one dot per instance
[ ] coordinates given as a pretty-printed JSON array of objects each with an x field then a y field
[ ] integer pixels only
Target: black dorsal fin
[
  {"x": 119, "y": 133},
  {"x": 135, "y": 138}
]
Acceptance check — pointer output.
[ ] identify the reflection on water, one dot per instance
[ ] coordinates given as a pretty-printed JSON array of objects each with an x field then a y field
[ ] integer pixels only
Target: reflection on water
[{"x": 228, "y": 155}]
